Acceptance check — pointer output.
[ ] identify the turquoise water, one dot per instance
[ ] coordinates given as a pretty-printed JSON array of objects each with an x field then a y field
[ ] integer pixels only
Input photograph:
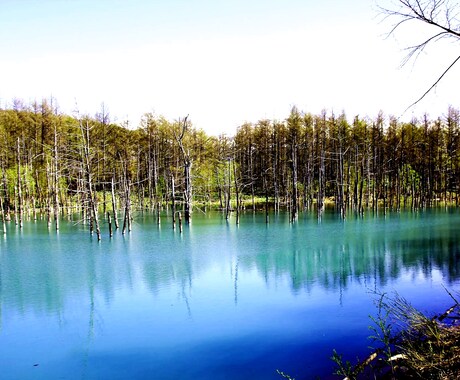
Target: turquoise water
[{"x": 218, "y": 301}]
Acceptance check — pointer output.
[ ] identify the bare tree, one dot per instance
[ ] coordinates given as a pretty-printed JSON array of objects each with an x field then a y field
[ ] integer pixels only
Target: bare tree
[
  {"x": 19, "y": 186},
  {"x": 56, "y": 178},
  {"x": 441, "y": 17},
  {"x": 187, "y": 161},
  {"x": 85, "y": 127}
]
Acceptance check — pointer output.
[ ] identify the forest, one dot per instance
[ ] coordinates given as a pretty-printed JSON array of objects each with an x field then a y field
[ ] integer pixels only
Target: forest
[{"x": 54, "y": 164}]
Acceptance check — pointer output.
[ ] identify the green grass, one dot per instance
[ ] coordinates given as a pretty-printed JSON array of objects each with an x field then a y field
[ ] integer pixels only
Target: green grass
[{"x": 411, "y": 345}]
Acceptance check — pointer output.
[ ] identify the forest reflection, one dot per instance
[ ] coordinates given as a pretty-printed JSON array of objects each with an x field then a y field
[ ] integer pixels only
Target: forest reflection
[{"x": 43, "y": 272}]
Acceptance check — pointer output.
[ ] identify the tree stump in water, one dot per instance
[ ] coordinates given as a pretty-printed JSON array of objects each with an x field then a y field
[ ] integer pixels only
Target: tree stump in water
[
  {"x": 110, "y": 224},
  {"x": 180, "y": 222}
]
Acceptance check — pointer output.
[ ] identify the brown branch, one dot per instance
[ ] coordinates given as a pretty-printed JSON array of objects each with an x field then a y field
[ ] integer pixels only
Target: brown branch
[
  {"x": 428, "y": 12},
  {"x": 419, "y": 14},
  {"x": 434, "y": 84},
  {"x": 420, "y": 47}
]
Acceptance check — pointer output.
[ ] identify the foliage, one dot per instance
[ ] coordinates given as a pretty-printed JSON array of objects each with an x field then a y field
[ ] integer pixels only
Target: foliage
[
  {"x": 411, "y": 344},
  {"x": 300, "y": 161},
  {"x": 26, "y": 177},
  {"x": 343, "y": 368}
]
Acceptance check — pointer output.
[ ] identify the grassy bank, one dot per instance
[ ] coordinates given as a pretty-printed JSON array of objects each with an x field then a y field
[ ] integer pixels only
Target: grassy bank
[{"x": 409, "y": 344}]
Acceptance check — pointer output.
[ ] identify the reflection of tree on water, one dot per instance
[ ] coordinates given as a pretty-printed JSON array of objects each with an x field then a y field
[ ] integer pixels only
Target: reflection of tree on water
[
  {"x": 35, "y": 276},
  {"x": 1, "y": 305},
  {"x": 90, "y": 333},
  {"x": 342, "y": 254},
  {"x": 174, "y": 268},
  {"x": 42, "y": 276},
  {"x": 172, "y": 262},
  {"x": 235, "y": 281},
  {"x": 166, "y": 267}
]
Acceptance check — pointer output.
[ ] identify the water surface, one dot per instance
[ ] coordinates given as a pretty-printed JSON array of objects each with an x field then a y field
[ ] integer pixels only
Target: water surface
[{"x": 218, "y": 301}]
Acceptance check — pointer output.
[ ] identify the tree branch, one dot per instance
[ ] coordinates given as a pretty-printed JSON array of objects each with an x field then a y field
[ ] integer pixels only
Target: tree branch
[
  {"x": 420, "y": 47},
  {"x": 434, "y": 84},
  {"x": 431, "y": 13}
]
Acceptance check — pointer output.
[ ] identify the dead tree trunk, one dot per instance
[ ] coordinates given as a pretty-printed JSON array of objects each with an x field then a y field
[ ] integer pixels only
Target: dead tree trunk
[
  {"x": 251, "y": 174},
  {"x": 7, "y": 199},
  {"x": 173, "y": 201},
  {"x": 188, "y": 189},
  {"x": 321, "y": 184},
  {"x": 3, "y": 215},
  {"x": 321, "y": 141},
  {"x": 93, "y": 206},
  {"x": 237, "y": 193},
  {"x": 109, "y": 219},
  {"x": 49, "y": 195},
  {"x": 228, "y": 195},
  {"x": 341, "y": 202},
  {"x": 87, "y": 165},
  {"x": 295, "y": 195},
  {"x": 114, "y": 204},
  {"x": 187, "y": 161},
  {"x": 219, "y": 190},
  {"x": 127, "y": 191},
  {"x": 56, "y": 180},
  {"x": 19, "y": 186}
]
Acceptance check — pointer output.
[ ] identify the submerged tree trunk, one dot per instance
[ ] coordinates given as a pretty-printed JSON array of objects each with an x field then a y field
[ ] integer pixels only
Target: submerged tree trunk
[
  {"x": 228, "y": 188},
  {"x": 109, "y": 220},
  {"x": 188, "y": 189},
  {"x": 173, "y": 201},
  {"x": 19, "y": 186},
  {"x": 321, "y": 184},
  {"x": 93, "y": 205},
  {"x": 2, "y": 210},
  {"x": 114, "y": 203},
  {"x": 267, "y": 217},
  {"x": 322, "y": 164},
  {"x": 91, "y": 195},
  {"x": 56, "y": 180},
  {"x": 187, "y": 161},
  {"x": 127, "y": 191},
  {"x": 237, "y": 193},
  {"x": 295, "y": 195},
  {"x": 340, "y": 182}
]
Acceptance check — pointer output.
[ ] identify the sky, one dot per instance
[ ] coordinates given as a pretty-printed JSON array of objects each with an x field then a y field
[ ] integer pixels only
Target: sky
[{"x": 222, "y": 62}]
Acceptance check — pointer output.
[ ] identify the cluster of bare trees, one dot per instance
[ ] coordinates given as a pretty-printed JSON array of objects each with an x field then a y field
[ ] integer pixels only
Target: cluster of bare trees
[{"x": 53, "y": 164}]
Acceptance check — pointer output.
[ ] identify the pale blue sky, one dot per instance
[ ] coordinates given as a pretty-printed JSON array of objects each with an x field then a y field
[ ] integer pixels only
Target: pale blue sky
[{"x": 221, "y": 62}]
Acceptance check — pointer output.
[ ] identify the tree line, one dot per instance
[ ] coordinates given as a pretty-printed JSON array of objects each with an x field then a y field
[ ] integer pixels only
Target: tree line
[
  {"x": 52, "y": 163},
  {"x": 307, "y": 159}
]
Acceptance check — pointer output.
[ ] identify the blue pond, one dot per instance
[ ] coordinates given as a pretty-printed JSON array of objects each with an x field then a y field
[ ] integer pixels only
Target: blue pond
[{"x": 217, "y": 301}]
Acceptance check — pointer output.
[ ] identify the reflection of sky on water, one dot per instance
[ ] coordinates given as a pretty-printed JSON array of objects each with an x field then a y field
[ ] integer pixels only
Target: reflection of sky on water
[{"x": 218, "y": 299}]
